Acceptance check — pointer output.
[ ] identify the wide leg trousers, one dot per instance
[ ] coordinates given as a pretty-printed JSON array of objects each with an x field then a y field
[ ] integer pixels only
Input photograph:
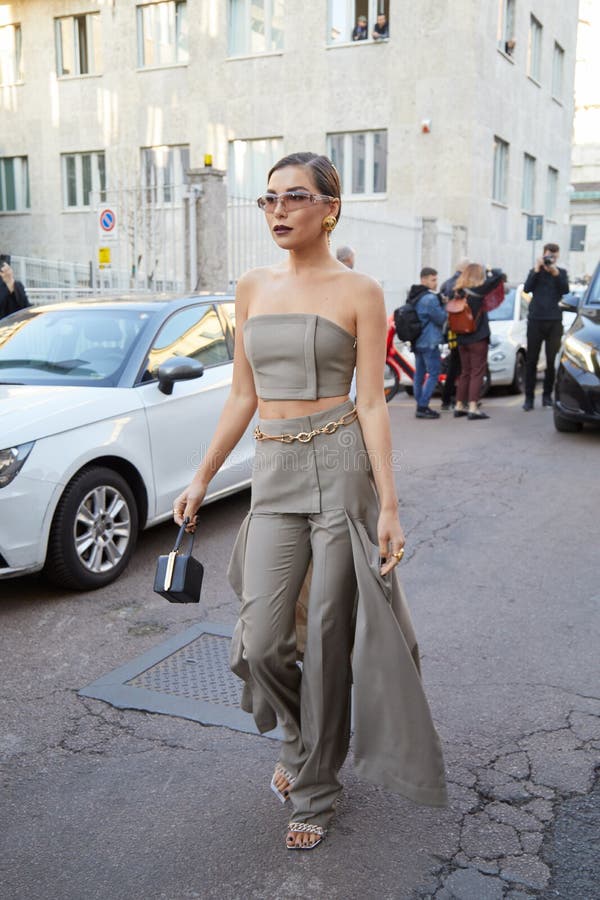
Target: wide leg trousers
[{"x": 315, "y": 503}]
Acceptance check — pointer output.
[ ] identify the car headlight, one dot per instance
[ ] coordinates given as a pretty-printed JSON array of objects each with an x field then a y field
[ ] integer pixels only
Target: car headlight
[
  {"x": 581, "y": 354},
  {"x": 11, "y": 461}
]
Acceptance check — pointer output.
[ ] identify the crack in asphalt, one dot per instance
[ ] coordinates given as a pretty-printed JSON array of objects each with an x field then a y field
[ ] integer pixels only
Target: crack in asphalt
[{"x": 509, "y": 807}]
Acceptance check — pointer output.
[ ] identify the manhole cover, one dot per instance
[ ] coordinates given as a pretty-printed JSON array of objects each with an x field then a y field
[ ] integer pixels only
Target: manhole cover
[{"x": 187, "y": 676}]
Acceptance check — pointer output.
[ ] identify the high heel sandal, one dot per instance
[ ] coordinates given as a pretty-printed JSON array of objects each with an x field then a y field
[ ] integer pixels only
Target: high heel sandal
[
  {"x": 282, "y": 795},
  {"x": 303, "y": 828}
]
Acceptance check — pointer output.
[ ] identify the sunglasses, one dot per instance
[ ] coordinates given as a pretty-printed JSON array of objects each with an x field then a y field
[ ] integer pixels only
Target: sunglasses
[{"x": 290, "y": 200}]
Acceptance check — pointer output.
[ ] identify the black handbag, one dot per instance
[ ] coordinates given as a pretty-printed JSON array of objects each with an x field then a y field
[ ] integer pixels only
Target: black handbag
[{"x": 179, "y": 576}]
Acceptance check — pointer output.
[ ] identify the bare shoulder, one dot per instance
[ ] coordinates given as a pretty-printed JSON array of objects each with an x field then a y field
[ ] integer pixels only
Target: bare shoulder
[
  {"x": 366, "y": 294},
  {"x": 249, "y": 285}
]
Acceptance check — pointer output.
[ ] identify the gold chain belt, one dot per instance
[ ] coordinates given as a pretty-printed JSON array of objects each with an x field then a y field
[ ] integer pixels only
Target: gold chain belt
[{"x": 305, "y": 436}]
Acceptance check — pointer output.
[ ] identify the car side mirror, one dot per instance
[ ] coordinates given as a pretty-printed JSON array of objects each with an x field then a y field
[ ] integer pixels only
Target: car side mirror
[
  {"x": 569, "y": 303},
  {"x": 177, "y": 368}
]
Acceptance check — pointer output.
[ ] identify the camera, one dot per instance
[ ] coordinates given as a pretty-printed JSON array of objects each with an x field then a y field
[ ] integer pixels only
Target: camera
[{"x": 548, "y": 260}]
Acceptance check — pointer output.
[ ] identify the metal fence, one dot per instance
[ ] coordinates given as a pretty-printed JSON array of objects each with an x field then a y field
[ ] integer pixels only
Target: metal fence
[{"x": 249, "y": 243}]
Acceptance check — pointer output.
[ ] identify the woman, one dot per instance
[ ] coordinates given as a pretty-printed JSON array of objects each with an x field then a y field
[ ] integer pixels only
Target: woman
[
  {"x": 473, "y": 348},
  {"x": 323, "y": 502}
]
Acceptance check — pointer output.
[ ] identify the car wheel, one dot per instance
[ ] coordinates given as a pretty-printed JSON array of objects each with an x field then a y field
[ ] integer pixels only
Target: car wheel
[
  {"x": 94, "y": 531},
  {"x": 391, "y": 383},
  {"x": 518, "y": 383},
  {"x": 567, "y": 426}
]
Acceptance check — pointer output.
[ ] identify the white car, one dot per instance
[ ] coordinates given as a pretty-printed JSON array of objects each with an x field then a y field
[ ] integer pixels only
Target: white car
[
  {"x": 508, "y": 340},
  {"x": 106, "y": 408}
]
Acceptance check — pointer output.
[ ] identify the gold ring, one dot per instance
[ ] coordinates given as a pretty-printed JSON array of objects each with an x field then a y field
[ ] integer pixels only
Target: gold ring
[{"x": 399, "y": 554}]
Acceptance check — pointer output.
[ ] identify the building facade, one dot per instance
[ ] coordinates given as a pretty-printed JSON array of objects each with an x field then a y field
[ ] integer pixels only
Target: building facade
[
  {"x": 585, "y": 176},
  {"x": 447, "y": 131}
]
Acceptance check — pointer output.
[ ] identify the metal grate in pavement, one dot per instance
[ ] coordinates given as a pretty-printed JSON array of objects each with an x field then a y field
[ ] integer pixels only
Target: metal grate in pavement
[
  {"x": 187, "y": 676},
  {"x": 199, "y": 671}
]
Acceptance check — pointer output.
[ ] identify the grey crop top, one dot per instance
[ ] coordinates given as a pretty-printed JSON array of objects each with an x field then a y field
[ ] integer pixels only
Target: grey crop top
[{"x": 299, "y": 356}]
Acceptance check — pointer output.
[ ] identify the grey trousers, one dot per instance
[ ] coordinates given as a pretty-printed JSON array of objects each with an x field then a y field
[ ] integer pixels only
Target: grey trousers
[
  {"x": 316, "y": 502},
  {"x": 312, "y": 705}
]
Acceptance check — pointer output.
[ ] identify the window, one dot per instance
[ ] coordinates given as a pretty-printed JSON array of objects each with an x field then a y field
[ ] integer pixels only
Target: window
[
  {"x": 255, "y": 26},
  {"x": 14, "y": 184},
  {"x": 195, "y": 332},
  {"x": 506, "y": 26},
  {"x": 361, "y": 160},
  {"x": 499, "y": 187},
  {"x": 164, "y": 172},
  {"x": 249, "y": 164},
  {"x": 78, "y": 45},
  {"x": 162, "y": 34},
  {"x": 83, "y": 174},
  {"x": 534, "y": 66},
  {"x": 577, "y": 244},
  {"x": 557, "y": 70},
  {"x": 551, "y": 192},
  {"x": 10, "y": 54},
  {"x": 343, "y": 24},
  {"x": 528, "y": 189}
]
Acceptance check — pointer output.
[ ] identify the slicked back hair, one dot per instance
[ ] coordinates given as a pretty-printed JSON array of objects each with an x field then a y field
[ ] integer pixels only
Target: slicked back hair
[{"x": 323, "y": 171}]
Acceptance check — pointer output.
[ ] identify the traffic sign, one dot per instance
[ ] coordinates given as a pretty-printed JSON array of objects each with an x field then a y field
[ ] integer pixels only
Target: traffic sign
[
  {"x": 104, "y": 257},
  {"x": 535, "y": 228},
  {"x": 107, "y": 222}
]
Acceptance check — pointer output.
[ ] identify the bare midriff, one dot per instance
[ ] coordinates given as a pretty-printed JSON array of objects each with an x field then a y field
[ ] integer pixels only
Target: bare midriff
[{"x": 295, "y": 409}]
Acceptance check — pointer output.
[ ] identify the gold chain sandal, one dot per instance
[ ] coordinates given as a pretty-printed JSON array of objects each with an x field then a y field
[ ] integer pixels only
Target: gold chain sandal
[
  {"x": 282, "y": 795},
  {"x": 305, "y": 436},
  {"x": 303, "y": 828}
]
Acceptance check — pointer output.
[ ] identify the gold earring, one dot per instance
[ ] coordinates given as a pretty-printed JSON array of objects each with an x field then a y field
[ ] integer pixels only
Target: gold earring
[{"x": 328, "y": 224}]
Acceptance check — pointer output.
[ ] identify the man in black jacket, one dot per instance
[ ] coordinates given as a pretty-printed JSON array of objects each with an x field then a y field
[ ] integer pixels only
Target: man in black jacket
[
  {"x": 12, "y": 293},
  {"x": 547, "y": 283}
]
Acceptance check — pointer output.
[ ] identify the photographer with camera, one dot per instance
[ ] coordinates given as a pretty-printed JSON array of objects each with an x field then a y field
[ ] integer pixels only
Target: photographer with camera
[
  {"x": 547, "y": 283},
  {"x": 12, "y": 293}
]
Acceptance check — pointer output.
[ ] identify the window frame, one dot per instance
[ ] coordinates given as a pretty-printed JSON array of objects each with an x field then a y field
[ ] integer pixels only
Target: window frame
[
  {"x": 373, "y": 9},
  {"x": 552, "y": 177},
  {"x": 581, "y": 241},
  {"x": 97, "y": 175},
  {"x": 15, "y": 76},
  {"x": 506, "y": 25},
  {"x": 500, "y": 171},
  {"x": 273, "y": 152},
  {"x": 558, "y": 68},
  {"x": 178, "y": 161},
  {"x": 243, "y": 8},
  {"x": 144, "y": 375},
  {"x": 91, "y": 51},
  {"x": 534, "y": 49},
  {"x": 528, "y": 184},
  {"x": 346, "y": 169},
  {"x": 20, "y": 185},
  {"x": 181, "y": 53}
]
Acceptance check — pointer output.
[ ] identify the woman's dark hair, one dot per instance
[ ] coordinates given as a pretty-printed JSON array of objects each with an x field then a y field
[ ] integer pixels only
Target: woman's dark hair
[{"x": 323, "y": 171}]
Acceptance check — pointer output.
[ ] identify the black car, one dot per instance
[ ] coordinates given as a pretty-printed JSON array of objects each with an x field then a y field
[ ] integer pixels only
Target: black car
[{"x": 577, "y": 391}]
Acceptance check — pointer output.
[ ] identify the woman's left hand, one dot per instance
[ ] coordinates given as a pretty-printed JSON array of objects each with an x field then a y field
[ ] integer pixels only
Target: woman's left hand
[{"x": 391, "y": 540}]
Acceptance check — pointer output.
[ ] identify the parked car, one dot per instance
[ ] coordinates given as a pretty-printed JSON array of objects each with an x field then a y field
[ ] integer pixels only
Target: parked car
[
  {"x": 577, "y": 388},
  {"x": 106, "y": 407},
  {"x": 508, "y": 341}
]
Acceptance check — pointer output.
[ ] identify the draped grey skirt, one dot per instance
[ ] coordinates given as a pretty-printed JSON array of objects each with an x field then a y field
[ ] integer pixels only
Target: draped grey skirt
[{"x": 312, "y": 532}]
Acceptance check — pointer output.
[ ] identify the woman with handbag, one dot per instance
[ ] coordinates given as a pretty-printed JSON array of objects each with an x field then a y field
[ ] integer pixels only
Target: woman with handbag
[
  {"x": 467, "y": 317},
  {"x": 323, "y": 520}
]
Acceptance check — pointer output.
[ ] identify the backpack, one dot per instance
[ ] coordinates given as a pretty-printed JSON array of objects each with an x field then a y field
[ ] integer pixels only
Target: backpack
[
  {"x": 460, "y": 317},
  {"x": 407, "y": 323}
]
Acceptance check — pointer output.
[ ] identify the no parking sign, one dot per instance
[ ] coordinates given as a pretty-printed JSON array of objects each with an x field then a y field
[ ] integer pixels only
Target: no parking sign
[{"x": 107, "y": 222}]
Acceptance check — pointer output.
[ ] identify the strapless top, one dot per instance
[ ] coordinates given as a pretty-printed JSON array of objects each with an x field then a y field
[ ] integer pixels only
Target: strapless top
[{"x": 299, "y": 356}]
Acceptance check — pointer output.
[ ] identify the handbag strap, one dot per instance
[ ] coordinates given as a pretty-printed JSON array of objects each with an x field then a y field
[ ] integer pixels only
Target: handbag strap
[{"x": 181, "y": 535}]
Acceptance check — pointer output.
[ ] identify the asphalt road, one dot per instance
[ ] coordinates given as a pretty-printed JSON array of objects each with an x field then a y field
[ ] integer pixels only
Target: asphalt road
[{"x": 501, "y": 574}]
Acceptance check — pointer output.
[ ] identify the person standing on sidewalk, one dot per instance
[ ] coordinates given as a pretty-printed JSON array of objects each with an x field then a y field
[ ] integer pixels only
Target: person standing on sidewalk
[
  {"x": 453, "y": 358},
  {"x": 473, "y": 285},
  {"x": 426, "y": 348},
  {"x": 547, "y": 282},
  {"x": 12, "y": 292}
]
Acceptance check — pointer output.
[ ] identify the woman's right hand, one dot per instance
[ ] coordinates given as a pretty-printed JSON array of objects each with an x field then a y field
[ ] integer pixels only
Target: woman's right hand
[{"x": 187, "y": 504}]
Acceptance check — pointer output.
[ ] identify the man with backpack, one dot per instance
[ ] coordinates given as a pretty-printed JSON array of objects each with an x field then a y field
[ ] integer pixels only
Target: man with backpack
[{"x": 422, "y": 298}]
